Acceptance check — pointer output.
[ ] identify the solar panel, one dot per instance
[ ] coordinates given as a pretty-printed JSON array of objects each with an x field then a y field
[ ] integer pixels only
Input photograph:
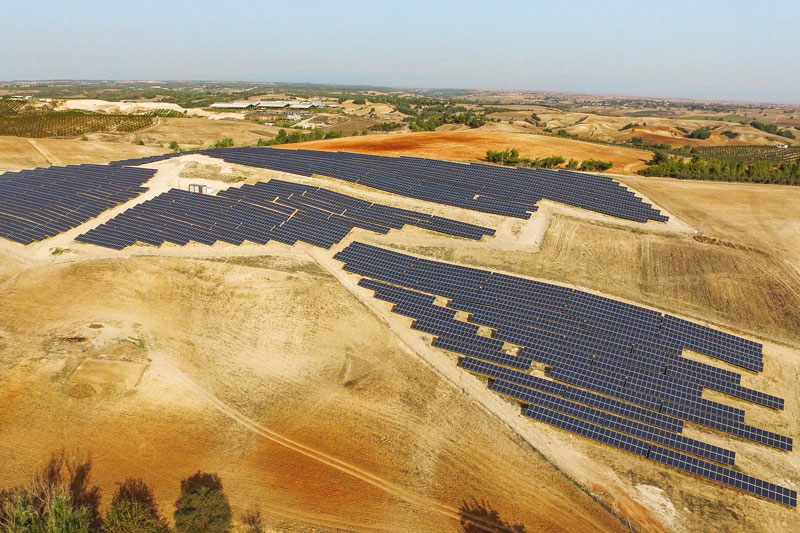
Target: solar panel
[
  {"x": 615, "y": 372},
  {"x": 274, "y": 210}
]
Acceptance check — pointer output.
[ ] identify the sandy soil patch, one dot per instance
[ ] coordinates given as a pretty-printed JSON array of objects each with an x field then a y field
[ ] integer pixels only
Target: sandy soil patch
[{"x": 108, "y": 373}]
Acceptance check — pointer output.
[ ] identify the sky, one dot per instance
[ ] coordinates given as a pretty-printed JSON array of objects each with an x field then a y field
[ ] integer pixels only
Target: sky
[{"x": 720, "y": 50}]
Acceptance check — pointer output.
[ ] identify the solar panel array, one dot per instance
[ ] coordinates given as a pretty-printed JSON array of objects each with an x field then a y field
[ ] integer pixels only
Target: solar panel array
[
  {"x": 36, "y": 204},
  {"x": 274, "y": 210},
  {"x": 615, "y": 371},
  {"x": 500, "y": 190}
]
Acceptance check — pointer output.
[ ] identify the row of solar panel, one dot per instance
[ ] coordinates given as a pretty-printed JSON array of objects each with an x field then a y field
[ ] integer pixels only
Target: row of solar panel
[
  {"x": 499, "y": 190},
  {"x": 628, "y": 329},
  {"x": 274, "y": 210},
  {"x": 685, "y": 462},
  {"x": 39, "y": 203},
  {"x": 621, "y": 403},
  {"x": 461, "y": 338}
]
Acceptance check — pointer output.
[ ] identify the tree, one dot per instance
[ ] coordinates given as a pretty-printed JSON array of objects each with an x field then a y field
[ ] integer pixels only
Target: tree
[
  {"x": 252, "y": 522},
  {"x": 700, "y": 133},
  {"x": 227, "y": 142},
  {"x": 596, "y": 164},
  {"x": 131, "y": 516},
  {"x": 202, "y": 505},
  {"x": 58, "y": 499}
]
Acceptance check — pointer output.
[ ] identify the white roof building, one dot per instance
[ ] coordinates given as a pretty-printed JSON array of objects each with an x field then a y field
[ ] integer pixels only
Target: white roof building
[
  {"x": 274, "y": 104},
  {"x": 232, "y": 105}
]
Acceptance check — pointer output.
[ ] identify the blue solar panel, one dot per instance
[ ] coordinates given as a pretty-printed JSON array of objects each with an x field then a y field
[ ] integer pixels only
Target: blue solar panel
[
  {"x": 491, "y": 189},
  {"x": 614, "y": 372}
]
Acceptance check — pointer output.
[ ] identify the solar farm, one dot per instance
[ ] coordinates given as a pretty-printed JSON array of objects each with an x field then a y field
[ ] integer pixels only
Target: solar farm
[
  {"x": 617, "y": 374},
  {"x": 650, "y": 388}
]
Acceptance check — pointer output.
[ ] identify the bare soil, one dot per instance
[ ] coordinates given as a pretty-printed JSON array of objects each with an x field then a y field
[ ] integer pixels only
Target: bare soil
[
  {"x": 273, "y": 376},
  {"x": 471, "y": 145}
]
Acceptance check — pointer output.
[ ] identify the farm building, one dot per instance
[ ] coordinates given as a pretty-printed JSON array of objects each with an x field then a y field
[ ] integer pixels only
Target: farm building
[
  {"x": 293, "y": 104},
  {"x": 273, "y": 104},
  {"x": 232, "y": 105}
]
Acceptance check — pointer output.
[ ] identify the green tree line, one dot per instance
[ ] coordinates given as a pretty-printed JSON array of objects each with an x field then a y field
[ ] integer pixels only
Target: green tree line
[
  {"x": 510, "y": 156},
  {"x": 60, "y": 498},
  {"x": 718, "y": 169}
]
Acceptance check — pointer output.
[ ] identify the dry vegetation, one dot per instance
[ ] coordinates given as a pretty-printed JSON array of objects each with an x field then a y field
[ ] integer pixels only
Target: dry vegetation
[{"x": 18, "y": 153}]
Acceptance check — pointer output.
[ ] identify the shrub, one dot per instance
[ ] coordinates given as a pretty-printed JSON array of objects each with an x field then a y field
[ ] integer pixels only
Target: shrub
[
  {"x": 130, "y": 516},
  {"x": 139, "y": 142},
  {"x": 596, "y": 164},
  {"x": 174, "y": 146},
  {"x": 509, "y": 155},
  {"x": 57, "y": 499},
  {"x": 572, "y": 164},
  {"x": 700, "y": 133},
  {"x": 547, "y": 162},
  {"x": 252, "y": 522},
  {"x": 202, "y": 505},
  {"x": 84, "y": 138},
  {"x": 227, "y": 142}
]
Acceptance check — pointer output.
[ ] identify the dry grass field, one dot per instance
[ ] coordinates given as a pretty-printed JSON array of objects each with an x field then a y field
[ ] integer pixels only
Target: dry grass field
[
  {"x": 193, "y": 132},
  {"x": 18, "y": 153},
  {"x": 323, "y": 409},
  {"x": 269, "y": 373}
]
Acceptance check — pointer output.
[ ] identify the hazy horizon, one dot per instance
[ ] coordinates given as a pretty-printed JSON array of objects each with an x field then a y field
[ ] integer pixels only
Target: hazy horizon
[{"x": 721, "y": 51}]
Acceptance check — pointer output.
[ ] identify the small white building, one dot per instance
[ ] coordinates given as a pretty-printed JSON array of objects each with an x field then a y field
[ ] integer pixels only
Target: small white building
[
  {"x": 294, "y": 116},
  {"x": 784, "y": 146},
  {"x": 200, "y": 189}
]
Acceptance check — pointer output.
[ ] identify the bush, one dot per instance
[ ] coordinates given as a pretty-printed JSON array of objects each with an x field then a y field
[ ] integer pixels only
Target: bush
[
  {"x": 173, "y": 145},
  {"x": 509, "y": 155},
  {"x": 84, "y": 138},
  {"x": 700, "y": 133},
  {"x": 252, "y": 522},
  {"x": 386, "y": 126},
  {"x": 546, "y": 162},
  {"x": 202, "y": 505},
  {"x": 359, "y": 101},
  {"x": 139, "y": 142},
  {"x": 130, "y": 516},
  {"x": 596, "y": 164},
  {"x": 59, "y": 498},
  {"x": 628, "y": 126},
  {"x": 572, "y": 164},
  {"x": 772, "y": 128},
  {"x": 227, "y": 142}
]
